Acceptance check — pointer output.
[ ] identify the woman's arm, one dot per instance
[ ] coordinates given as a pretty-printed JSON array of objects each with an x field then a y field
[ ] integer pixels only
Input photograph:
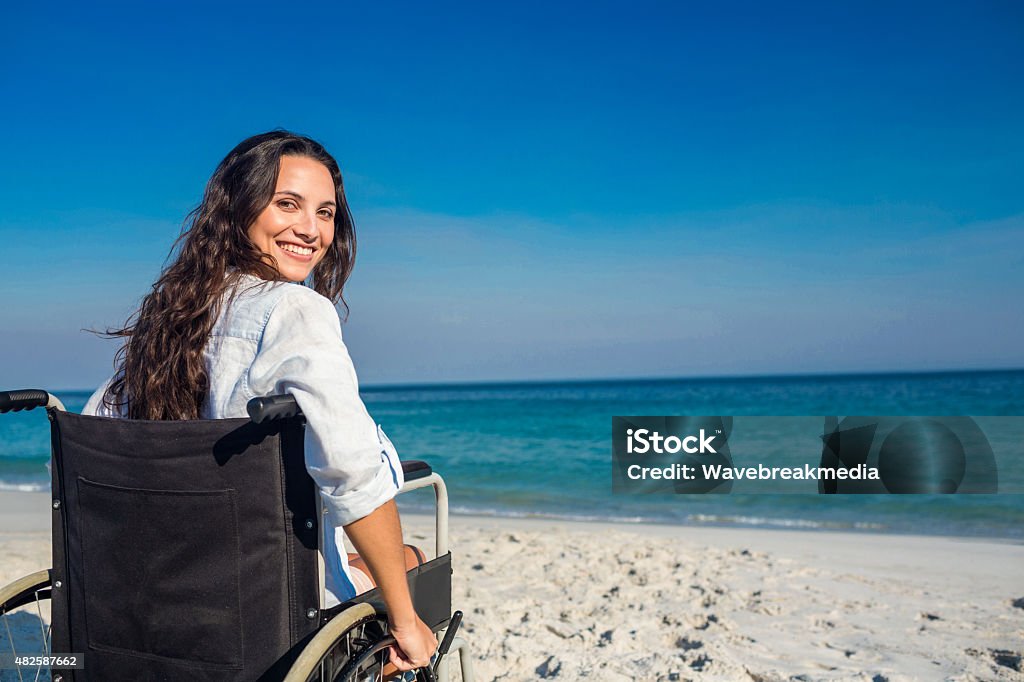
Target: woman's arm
[
  {"x": 301, "y": 352},
  {"x": 378, "y": 539},
  {"x": 353, "y": 464}
]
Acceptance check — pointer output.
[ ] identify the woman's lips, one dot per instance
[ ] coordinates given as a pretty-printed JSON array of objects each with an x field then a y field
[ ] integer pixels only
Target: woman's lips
[{"x": 300, "y": 253}]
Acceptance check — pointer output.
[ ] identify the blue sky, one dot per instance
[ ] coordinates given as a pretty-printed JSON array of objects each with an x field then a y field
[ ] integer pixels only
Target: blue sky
[{"x": 545, "y": 190}]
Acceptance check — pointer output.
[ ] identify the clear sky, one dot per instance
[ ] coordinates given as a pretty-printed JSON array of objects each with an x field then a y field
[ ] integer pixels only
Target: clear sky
[{"x": 544, "y": 190}]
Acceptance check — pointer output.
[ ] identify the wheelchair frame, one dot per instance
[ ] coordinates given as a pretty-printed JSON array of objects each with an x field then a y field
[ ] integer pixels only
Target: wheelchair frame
[{"x": 318, "y": 658}]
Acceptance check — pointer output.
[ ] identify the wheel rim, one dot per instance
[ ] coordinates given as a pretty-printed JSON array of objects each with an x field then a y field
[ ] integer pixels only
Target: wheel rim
[
  {"x": 358, "y": 654},
  {"x": 367, "y": 657},
  {"x": 22, "y": 602}
]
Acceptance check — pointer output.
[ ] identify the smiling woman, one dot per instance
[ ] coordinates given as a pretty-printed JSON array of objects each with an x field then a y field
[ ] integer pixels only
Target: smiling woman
[
  {"x": 247, "y": 309},
  {"x": 274, "y": 209},
  {"x": 297, "y": 227}
]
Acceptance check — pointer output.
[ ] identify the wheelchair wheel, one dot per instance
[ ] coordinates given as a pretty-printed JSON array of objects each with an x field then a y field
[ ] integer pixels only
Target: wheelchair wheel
[
  {"x": 351, "y": 647},
  {"x": 25, "y": 612}
]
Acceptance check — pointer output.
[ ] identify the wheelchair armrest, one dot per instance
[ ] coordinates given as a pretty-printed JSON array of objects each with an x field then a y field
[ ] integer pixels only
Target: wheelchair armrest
[
  {"x": 284, "y": 406},
  {"x": 415, "y": 468},
  {"x": 272, "y": 407}
]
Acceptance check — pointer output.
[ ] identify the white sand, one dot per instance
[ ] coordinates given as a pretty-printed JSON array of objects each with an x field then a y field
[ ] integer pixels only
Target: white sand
[{"x": 570, "y": 601}]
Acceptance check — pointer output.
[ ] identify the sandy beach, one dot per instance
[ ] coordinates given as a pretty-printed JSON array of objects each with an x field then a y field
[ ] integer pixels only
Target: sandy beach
[{"x": 567, "y": 601}]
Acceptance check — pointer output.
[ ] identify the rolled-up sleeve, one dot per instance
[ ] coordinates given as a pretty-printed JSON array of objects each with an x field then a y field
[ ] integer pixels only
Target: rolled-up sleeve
[{"x": 301, "y": 352}]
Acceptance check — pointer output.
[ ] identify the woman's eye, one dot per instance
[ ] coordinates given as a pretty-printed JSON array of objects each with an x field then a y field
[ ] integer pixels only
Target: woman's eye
[
  {"x": 328, "y": 215},
  {"x": 287, "y": 203}
]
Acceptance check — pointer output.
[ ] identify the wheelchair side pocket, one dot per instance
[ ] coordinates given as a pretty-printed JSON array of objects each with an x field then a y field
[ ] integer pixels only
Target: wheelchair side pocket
[{"x": 177, "y": 549}]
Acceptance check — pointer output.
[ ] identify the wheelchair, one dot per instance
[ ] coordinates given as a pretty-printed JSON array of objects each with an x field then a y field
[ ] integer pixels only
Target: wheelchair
[{"x": 192, "y": 550}]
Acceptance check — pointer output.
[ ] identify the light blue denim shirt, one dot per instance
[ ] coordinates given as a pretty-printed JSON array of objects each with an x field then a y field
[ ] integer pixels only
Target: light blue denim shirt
[{"x": 279, "y": 337}]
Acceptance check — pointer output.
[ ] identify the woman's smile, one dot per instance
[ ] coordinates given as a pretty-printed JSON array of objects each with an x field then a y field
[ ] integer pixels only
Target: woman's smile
[{"x": 302, "y": 253}]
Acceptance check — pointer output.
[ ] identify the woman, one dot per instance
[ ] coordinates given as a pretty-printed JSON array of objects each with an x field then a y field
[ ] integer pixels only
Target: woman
[{"x": 229, "y": 319}]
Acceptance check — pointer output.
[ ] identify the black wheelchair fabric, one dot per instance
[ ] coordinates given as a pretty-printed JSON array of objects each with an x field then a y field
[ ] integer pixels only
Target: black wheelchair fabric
[
  {"x": 430, "y": 586},
  {"x": 183, "y": 548}
]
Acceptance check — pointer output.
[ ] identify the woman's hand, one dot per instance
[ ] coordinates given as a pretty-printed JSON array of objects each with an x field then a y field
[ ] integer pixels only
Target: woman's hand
[{"x": 415, "y": 645}]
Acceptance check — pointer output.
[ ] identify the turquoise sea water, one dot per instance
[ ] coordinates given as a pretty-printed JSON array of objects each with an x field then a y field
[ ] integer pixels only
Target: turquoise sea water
[{"x": 543, "y": 449}]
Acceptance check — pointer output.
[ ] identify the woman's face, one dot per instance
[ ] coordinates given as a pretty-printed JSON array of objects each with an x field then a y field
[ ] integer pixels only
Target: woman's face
[{"x": 298, "y": 225}]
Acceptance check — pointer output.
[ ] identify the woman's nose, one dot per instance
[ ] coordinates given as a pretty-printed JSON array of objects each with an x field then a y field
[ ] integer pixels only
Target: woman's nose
[{"x": 306, "y": 226}]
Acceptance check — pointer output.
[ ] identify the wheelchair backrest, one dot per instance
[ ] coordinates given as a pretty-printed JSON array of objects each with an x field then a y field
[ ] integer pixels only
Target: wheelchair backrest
[{"x": 182, "y": 549}]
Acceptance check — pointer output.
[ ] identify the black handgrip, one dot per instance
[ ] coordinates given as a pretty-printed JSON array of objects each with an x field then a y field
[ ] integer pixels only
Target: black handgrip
[
  {"x": 23, "y": 399},
  {"x": 272, "y": 407},
  {"x": 414, "y": 468},
  {"x": 446, "y": 643}
]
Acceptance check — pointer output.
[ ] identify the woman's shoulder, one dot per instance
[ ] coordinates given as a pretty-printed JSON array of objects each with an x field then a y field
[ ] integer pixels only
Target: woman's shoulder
[
  {"x": 250, "y": 287},
  {"x": 96, "y": 406},
  {"x": 253, "y": 302}
]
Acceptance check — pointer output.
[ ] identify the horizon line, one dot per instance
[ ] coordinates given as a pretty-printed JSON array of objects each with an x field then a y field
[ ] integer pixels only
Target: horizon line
[{"x": 491, "y": 383}]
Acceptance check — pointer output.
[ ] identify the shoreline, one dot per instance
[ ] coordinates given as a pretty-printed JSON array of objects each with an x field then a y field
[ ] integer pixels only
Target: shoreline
[{"x": 37, "y": 500}]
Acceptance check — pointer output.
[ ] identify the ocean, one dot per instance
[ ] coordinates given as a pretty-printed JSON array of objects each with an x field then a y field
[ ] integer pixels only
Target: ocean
[{"x": 543, "y": 449}]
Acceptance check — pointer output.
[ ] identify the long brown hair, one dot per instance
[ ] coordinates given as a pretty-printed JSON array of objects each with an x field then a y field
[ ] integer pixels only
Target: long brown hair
[{"x": 161, "y": 373}]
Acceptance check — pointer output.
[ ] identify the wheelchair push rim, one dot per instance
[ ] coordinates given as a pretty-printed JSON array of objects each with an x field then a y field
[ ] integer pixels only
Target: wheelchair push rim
[{"x": 358, "y": 635}]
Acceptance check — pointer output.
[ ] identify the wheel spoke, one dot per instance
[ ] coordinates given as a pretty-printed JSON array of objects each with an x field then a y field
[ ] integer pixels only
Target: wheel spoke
[
  {"x": 10, "y": 638},
  {"x": 346, "y": 648},
  {"x": 42, "y": 628}
]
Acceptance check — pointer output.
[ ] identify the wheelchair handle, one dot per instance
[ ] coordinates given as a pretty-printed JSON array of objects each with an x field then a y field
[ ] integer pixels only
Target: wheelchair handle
[
  {"x": 27, "y": 399},
  {"x": 428, "y": 673},
  {"x": 446, "y": 643},
  {"x": 272, "y": 407}
]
